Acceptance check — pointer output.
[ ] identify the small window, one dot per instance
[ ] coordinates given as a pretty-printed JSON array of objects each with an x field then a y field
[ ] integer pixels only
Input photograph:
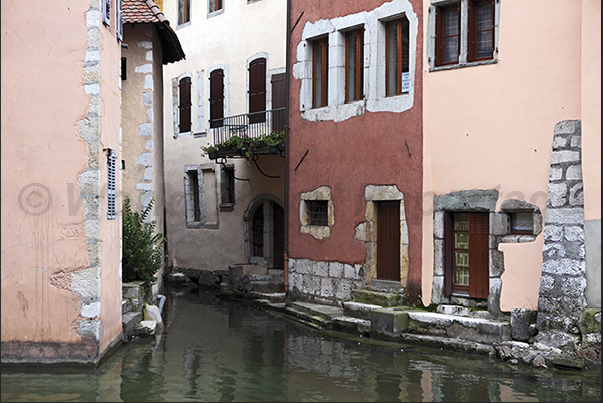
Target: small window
[
  {"x": 481, "y": 30},
  {"x": 184, "y": 104},
  {"x": 320, "y": 77},
  {"x": 124, "y": 66},
  {"x": 215, "y": 5},
  {"x": 193, "y": 182},
  {"x": 354, "y": 59},
  {"x": 184, "y": 11},
  {"x": 216, "y": 98},
  {"x": 522, "y": 223},
  {"x": 448, "y": 34},
  {"x": 227, "y": 186},
  {"x": 111, "y": 158},
  {"x": 318, "y": 212},
  {"x": 106, "y": 12},
  {"x": 397, "y": 54}
]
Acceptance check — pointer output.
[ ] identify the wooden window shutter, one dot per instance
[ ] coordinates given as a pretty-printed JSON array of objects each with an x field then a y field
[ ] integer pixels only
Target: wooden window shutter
[
  {"x": 439, "y": 33},
  {"x": 119, "y": 29},
  {"x": 111, "y": 209},
  {"x": 448, "y": 253},
  {"x": 185, "y": 105},
  {"x": 106, "y": 12},
  {"x": 257, "y": 90},
  {"x": 216, "y": 98}
]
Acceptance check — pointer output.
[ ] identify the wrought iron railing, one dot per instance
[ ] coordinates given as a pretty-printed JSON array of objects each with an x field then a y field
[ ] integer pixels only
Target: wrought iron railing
[{"x": 249, "y": 125}]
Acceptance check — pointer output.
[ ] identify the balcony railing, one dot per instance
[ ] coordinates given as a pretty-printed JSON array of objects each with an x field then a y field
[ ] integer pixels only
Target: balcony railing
[{"x": 251, "y": 125}]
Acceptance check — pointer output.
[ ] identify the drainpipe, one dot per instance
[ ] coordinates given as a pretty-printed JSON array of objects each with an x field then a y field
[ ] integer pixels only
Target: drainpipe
[
  {"x": 287, "y": 134},
  {"x": 161, "y": 299}
]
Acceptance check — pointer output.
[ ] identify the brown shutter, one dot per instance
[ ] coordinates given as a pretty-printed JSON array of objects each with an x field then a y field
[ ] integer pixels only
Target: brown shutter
[
  {"x": 388, "y": 240},
  {"x": 216, "y": 98},
  {"x": 448, "y": 253},
  {"x": 439, "y": 33},
  {"x": 479, "y": 272},
  {"x": 257, "y": 90},
  {"x": 472, "y": 33},
  {"x": 279, "y": 99},
  {"x": 185, "y": 105}
]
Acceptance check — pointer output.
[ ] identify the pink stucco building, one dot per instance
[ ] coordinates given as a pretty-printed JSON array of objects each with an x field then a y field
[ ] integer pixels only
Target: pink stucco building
[{"x": 61, "y": 225}]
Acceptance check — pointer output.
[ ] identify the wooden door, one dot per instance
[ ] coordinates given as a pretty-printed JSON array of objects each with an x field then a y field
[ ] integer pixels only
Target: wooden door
[
  {"x": 388, "y": 240},
  {"x": 257, "y": 90}
]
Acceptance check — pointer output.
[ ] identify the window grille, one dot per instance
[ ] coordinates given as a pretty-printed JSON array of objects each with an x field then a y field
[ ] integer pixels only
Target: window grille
[
  {"x": 111, "y": 158},
  {"x": 318, "y": 212}
]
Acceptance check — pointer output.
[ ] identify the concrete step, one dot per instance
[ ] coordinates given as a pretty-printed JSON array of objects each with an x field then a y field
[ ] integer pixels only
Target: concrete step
[
  {"x": 327, "y": 312},
  {"x": 267, "y": 286},
  {"x": 270, "y": 297},
  {"x": 305, "y": 317},
  {"x": 348, "y": 324},
  {"x": 458, "y": 310},
  {"x": 377, "y": 297},
  {"x": 129, "y": 321},
  {"x": 458, "y": 327}
]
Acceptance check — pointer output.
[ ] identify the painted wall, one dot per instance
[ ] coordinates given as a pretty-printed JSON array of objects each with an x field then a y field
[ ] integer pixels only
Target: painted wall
[
  {"x": 381, "y": 148},
  {"x": 142, "y": 123},
  {"x": 61, "y": 290},
  {"x": 259, "y": 28},
  {"x": 491, "y": 126}
]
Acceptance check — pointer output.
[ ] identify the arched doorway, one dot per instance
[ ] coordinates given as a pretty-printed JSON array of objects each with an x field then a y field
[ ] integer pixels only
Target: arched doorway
[{"x": 265, "y": 232}]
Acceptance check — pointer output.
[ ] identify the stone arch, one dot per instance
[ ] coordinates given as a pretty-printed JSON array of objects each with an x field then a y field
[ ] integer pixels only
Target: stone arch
[{"x": 272, "y": 214}]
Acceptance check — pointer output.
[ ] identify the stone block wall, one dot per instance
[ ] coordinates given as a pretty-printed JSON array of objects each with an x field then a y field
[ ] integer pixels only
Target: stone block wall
[
  {"x": 562, "y": 297},
  {"x": 318, "y": 281}
]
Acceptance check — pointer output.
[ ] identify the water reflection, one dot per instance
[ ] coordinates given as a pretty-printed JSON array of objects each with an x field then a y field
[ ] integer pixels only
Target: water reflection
[{"x": 214, "y": 350}]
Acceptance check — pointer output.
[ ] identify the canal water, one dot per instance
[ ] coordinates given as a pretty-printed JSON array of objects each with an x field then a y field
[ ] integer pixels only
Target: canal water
[{"x": 223, "y": 350}]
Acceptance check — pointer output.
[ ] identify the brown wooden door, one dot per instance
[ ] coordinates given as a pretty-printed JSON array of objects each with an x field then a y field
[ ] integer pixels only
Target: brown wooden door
[
  {"x": 388, "y": 240},
  {"x": 479, "y": 272},
  {"x": 279, "y": 236},
  {"x": 466, "y": 254}
]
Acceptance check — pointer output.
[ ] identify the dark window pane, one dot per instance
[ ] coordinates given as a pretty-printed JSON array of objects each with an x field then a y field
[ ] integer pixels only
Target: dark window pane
[{"x": 318, "y": 212}]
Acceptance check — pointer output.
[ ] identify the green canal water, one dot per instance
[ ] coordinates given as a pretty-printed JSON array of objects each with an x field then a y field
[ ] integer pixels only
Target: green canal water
[{"x": 220, "y": 350}]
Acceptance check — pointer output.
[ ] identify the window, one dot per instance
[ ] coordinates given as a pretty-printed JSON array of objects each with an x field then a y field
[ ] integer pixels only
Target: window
[
  {"x": 227, "y": 187},
  {"x": 320, "y": 64},
  {"x": 119, "y": 29},
  {"x": 184, "y": 11},
  {"x": 216, "y": 98},
  {"x": 106, "y": 12},
  {"x": 257, "y": 90},
  {"x": 257, "y": 232},
  {"x": 354, "y": 59},
  {"x": 481, "y": 30},
  {"x": 111, "y": 158},
  {"x": 193, "y": 210},
  {"x": 318, "y": 212},
  {"x": 464, "y": 32},
  {"x": 397, "y": 54},
  {"x": 448, "y": 33},
  {"x": 184, "y": 105},
  {"x": 215, "y": 5},
  {"x": 522, "y": 223}
]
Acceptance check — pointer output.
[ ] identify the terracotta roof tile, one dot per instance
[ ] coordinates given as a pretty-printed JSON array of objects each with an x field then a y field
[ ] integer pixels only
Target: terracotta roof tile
[{"x": 141, "y": 11}]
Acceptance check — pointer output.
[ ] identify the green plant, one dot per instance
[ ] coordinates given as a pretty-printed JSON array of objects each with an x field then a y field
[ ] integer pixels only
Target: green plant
[
  {"x": 247, "y": 144},
  {"x": 142, "y": 247}
]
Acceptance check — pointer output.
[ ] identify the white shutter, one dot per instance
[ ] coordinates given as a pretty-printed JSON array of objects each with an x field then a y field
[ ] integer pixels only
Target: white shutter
[
  {"x": 106, "y": 12},
  {"x": 119, "y": 29}
]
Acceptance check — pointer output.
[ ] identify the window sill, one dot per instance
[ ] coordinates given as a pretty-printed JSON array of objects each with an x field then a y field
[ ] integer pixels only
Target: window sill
[
  {"x": 183, "y": 134},
  {"x": 518, "y": 238},
  {"x": 186, "y": 24},
  {"x": 227, "y": 207},
  {"x": 200, "y": 135},
  {"x": 215, "y": 13},
  {"x": 462, "y": 65},
  {"x": 198, "y": 225}
]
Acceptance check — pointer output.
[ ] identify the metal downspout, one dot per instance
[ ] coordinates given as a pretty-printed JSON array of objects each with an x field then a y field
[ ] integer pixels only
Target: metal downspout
[{"x": 287, "y": 134}]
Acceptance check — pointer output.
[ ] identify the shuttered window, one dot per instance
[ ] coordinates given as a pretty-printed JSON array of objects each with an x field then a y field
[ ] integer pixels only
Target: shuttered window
[
  {"x": 184, "y": 104},
  {"x": 320, "y": 76},
  {"x": 257, "y": 90},
  {"x": 106, "y": 12},
  {"x": 448, "y": 34},
  {"x": 354, "y": 59},
  {"x": 216, "y": 98},
  {"x": 397, "y": 54},
  {"x": 215, "y": 5},
  {"x": 227, "y": 185},
  {"x": 481, "y": 30},
  {"x": 111, "y": 158},
  {"x": 119, "y": 29}
]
